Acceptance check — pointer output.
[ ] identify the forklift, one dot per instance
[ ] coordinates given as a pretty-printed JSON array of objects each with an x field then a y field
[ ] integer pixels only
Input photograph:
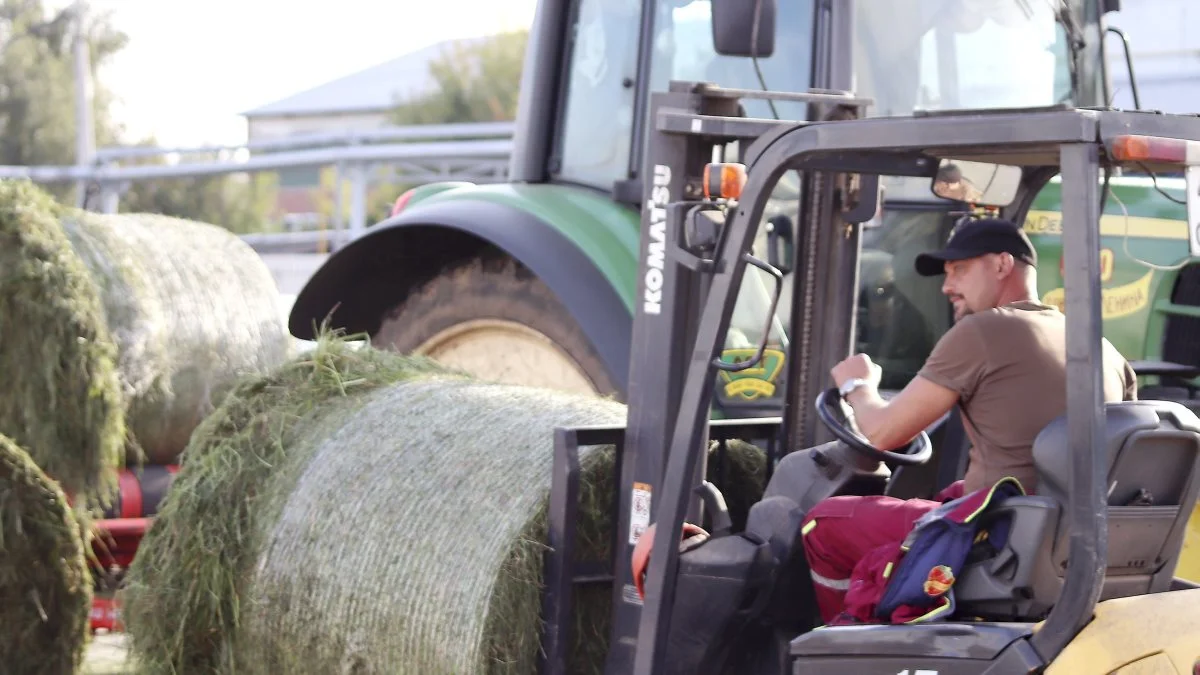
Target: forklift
[{"x": 1083, "y": 583}]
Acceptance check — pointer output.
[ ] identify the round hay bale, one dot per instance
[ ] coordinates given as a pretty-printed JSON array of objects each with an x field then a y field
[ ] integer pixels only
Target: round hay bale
[
  {"x": 396, "y": 530},
  {"x": 61, "y": 395},
  {"x": 45, "y": 587},
  {"x": 174, "y": 310},
  {"x": 191, "y": 308}
]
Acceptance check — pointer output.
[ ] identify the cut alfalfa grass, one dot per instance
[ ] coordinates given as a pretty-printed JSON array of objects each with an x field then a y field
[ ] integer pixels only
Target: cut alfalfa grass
[
  {"x": 45, "y": 588},
  {"x": 61, "y": 396},
  {"x": 366, "y": 512}
]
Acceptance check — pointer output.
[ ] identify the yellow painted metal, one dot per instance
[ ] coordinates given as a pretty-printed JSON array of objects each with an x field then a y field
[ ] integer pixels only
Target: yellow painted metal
[
  {"x": 1158, "y": 633},
  {"x": 1189, "y": 558}
]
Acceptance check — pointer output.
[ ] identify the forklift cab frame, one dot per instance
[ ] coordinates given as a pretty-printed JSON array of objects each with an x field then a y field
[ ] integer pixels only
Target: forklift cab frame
[
  {"x": 695, "y": 254},
  {"x": 841, "y": 157}
]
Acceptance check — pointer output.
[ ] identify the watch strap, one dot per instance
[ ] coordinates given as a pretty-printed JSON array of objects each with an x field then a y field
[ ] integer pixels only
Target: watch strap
[{"x": 850, "y": 385}]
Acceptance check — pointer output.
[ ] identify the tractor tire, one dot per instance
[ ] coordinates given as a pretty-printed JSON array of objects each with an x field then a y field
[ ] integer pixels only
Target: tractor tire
[{"x": 494, "y": 319}]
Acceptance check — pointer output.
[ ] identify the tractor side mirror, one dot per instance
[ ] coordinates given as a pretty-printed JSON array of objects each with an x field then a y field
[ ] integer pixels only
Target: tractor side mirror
[
  {"x": 977, "y": 183},
  {"x": 1192, "y": 185},
  {"x": 734, "y": 27}
]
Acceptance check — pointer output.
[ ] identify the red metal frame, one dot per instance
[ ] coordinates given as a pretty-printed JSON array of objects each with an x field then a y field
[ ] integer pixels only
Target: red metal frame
[{"x": 114, "y": 547}]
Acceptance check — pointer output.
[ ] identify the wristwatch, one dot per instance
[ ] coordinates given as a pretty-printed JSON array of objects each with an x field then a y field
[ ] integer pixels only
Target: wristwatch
[{"x": 850, "y": 385}]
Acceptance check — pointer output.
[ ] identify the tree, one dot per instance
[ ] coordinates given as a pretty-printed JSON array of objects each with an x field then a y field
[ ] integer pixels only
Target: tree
[
  {"x": 242, "y": 203},
  {"x": 37, "y": 94},
  {"x": 382, "y": 191},
  {"x": 472, "y": 82},
  {"x": 37, "y": 119}
]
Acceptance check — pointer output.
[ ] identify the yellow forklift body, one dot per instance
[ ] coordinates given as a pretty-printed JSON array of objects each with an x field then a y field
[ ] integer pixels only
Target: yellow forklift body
[{"x": 1157, "y": 633}]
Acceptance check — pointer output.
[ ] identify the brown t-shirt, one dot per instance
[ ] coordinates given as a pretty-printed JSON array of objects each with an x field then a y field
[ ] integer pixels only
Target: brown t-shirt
[{"x": 1008, "y": 366}]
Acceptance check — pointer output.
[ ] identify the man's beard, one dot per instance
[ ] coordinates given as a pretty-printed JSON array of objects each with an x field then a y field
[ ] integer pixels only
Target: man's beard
[{"x": 965, "y": 311}]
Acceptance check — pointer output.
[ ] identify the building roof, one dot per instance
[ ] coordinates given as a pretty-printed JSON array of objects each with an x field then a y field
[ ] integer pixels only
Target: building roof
[{"x": 374, "y": 89}]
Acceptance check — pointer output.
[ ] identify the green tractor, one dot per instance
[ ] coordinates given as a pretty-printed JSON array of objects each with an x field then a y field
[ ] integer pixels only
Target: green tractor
[{"x": 537, "y": 280}]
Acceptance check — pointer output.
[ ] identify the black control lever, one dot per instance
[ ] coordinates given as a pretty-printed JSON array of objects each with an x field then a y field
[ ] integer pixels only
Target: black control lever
[{"x": 714, "y": 503}]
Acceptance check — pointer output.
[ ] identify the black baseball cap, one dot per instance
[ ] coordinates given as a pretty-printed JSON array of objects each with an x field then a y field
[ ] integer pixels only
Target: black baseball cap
[{"x": 975, "y": 238}]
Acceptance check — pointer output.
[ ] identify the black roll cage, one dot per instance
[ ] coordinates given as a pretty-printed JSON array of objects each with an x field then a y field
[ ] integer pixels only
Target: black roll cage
[{"x": 1045, "y": 142}]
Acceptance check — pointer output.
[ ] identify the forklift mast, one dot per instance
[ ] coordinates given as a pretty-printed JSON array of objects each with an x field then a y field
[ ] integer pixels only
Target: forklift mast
[
  {"x": 693, "y": 120},
  {"x": 681, "y": 230}
]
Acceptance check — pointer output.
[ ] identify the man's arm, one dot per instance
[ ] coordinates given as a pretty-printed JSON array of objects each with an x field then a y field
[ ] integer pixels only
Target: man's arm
[
  {"x": 892, "y": 424},
  {"x": 951, "y": 373}
]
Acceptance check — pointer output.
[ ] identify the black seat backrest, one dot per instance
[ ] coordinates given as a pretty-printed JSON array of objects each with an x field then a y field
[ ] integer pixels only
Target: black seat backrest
[{"x": 1153, "y": 460}]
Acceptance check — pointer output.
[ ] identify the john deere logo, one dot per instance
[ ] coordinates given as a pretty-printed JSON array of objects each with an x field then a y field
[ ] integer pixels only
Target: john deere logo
[{"x": 755, "y": 382}]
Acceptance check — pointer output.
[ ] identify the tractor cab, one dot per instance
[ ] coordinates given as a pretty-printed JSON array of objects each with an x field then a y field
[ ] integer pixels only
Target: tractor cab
[{"x": 1117, "y": 481}]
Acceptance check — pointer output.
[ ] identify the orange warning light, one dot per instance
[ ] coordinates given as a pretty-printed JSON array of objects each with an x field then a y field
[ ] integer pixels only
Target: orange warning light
[{"x": 724, "y": 180}]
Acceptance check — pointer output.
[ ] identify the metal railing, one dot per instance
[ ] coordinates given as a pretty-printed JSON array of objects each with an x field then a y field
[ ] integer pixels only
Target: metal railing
[
  {"x": 476, "y": 152},
  {"x": 426, "y": 132}
]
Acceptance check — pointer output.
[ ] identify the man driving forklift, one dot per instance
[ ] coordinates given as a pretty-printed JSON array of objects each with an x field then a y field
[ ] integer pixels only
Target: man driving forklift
[{"x": 1003, "y": 363}]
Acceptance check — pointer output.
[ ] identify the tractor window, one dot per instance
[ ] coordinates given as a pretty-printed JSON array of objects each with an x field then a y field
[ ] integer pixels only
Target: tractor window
[
  {"x": 683, "y": 50},
  {"x": 597, "y": 123},
  {"x": 599, "y": 105},
  {"x": 900, "y": 313},
  {"x": 941, "y": 54}
]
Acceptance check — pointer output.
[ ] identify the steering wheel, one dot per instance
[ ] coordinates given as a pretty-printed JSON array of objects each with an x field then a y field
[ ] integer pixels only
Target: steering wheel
[{"x": 917, "y": 452}]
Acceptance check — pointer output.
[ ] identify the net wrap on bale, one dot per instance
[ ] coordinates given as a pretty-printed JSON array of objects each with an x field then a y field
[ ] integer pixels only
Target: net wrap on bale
[
  {"x": 400, "y": 529},
  {"x": 191, "y": 308},
  {"x": 45, "y": 588},
  {"x": 119, "y": 332}
]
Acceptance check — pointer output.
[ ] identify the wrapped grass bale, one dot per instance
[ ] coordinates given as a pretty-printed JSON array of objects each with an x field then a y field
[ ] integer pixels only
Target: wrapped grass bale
[
  {"x": 191, "y": 308},
  {"x": 120, "y": 332},
  {"x": 61, "y": 395},
  {"x": 364, "y": 512},
  {"x": 45, "y": 588}
]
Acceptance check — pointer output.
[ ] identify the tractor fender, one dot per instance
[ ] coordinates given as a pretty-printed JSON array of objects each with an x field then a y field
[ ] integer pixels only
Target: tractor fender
[{"x": 361, "y": 281}]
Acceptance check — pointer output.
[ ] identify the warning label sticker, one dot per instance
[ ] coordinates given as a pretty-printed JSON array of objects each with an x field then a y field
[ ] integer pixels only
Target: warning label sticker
[
  {"x": 630, "y": 595},
  {"x": 639, "y": 511}
]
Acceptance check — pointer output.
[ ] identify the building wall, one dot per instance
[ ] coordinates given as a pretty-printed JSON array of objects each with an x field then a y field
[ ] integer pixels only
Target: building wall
[
  {"x": 272, "y": 128},
  {"x": 299, "y": 188}
]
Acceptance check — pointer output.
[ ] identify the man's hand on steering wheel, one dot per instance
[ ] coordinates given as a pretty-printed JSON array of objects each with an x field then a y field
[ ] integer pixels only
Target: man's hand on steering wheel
[
  {"x": 857, "y": 371},
  {"x": 851, "y": 375}
]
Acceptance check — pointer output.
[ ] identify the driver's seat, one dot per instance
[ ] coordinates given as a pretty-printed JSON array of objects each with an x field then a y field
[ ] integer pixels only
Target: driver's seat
[{"x": 1153, "y": 456}]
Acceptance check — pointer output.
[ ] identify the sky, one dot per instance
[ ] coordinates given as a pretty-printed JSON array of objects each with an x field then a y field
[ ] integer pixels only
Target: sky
[{"x": 191, "y": 66}]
